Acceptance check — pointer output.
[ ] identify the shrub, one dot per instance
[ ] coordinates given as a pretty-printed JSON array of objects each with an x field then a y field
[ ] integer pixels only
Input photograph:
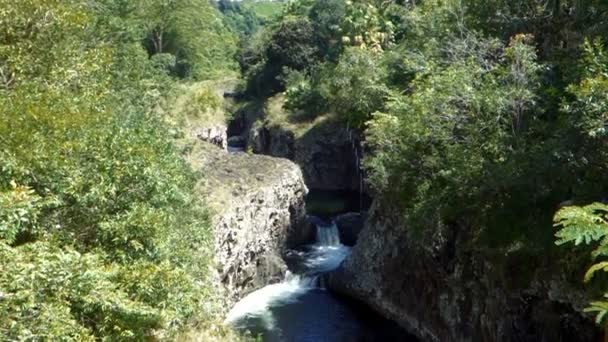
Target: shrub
[{"x": 101, "y": 235}]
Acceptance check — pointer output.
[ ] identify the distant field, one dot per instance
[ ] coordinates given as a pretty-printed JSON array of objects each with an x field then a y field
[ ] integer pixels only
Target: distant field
[{"x": 265, "y": 9}]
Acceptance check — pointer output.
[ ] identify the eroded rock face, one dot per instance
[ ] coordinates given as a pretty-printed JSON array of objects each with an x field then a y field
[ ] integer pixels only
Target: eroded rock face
[
  {"x": 257, "y": 205},
  {"x": 350, "y": 226},
  {"x": 439, "y": 288},
  {"x": 325, "y": 152}
]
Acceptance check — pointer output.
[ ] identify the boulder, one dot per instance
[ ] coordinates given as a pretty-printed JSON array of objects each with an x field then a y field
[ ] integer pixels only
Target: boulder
[
  {"x": 213, "y": 134},
  {"x": 349, "y": 226}
]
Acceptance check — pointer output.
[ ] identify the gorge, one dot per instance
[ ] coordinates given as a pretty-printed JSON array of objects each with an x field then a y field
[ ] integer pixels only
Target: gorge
[
  {"x": 304, "y": 170},
  {"x": 433, "y": 286}
]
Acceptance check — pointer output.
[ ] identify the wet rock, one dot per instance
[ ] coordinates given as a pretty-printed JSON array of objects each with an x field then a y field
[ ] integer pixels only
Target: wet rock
[
  {"x": 237, "y": 141},
  {"x": 349, "y": 226}
]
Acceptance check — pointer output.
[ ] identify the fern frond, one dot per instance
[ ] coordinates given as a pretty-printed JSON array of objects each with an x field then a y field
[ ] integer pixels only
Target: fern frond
[
  {"x": 601, "y": 308},
  {"x": 601, "y": 250},
  {"x": 581, "y": 224},
  {"x": 603, "y": 266}
]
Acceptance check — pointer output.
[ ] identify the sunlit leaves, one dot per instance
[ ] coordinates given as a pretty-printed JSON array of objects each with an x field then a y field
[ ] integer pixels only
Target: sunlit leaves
[
  {"x": 587, "y": 225},
  {"x": 19, "y": 210},
  {"x": 365, "y": 26},
  {"x": 600, "y": 308},
  {"x": 589, "y": 110},
  {"x": 581, "y": 224},
  {"x": 90, "y": 181},
  {"x": 40, "y": 280}
]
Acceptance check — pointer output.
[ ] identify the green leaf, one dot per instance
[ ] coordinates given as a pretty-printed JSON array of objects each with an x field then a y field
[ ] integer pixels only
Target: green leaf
[
  {"x": 581, "y": 224},
  {"x": 597, "y": 267}
]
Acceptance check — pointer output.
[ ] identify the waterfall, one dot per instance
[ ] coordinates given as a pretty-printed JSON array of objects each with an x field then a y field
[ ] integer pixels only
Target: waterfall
[
  {"x": 328, "y": 235},
  {"x": 323, "y": 256}
]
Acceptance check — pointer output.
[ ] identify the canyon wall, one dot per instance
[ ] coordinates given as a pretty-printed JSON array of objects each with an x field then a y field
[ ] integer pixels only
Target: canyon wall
[
  {"x": 257, "y": 211},
  {"x": 440, "y": 287}
]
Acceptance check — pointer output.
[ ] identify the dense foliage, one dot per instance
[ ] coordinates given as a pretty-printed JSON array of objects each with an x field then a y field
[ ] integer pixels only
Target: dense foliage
[
  {"x": 248, "y": 16},
  {"x": 480, "y": 114},
  {"x": 191, "y": 31},
  {"x": 485, "y": 114},
  {"x": 101, "y": 235}
]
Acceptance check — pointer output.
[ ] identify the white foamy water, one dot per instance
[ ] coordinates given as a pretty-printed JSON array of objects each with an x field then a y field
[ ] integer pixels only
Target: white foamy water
[
  {"x": 323, "y": 256},
  {"x": 258, "y": 303},
  {"x": 328, "y": 235},
  {"x": 322, "y": 259}
]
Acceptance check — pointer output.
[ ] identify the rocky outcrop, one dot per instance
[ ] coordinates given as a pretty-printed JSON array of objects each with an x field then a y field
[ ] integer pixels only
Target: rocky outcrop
[
  {"x": 437, "y": 286},
  {"x": 323, "y": 147},
  {"x": 349, "y": 227},
  {"x": 214, "y": 134},
  {"x": 325, "y": 152},
  {"x": 257, "y": 205}
]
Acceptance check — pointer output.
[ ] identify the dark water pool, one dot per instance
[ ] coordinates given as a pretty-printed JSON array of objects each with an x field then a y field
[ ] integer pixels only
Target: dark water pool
[{"x": 300, "y": 310}]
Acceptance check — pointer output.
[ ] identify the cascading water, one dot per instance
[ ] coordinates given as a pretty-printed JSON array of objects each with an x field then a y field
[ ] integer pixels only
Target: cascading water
[
  {"x": 259, "y": 311},
  {"x": 300, "y": 309},
  {"x": 328, "y": 235}
]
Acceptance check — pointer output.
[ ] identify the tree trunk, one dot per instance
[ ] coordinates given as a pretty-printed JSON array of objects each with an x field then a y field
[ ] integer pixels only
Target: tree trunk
[{"x": 157, "y": 40}]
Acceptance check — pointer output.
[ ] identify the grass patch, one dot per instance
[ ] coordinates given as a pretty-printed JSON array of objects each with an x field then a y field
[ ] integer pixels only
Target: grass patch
[
  {"x": 192, "y": 106},
  {"x": 266, "y": 10},
  {"x": 198, "y": 103},
  {"x": 277, "y": 115}
]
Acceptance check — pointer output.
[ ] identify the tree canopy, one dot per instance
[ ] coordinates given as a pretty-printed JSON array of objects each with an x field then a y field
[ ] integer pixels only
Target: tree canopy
[{"x": 101, "y": 235}]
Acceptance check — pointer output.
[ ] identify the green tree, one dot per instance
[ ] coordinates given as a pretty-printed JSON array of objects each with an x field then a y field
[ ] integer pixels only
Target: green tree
[
  {"x": 241, "y": 19},
  {"x": 450, "y": 143},
  {"x": 584, "y": 124},
  {"x": 100, "y": 233},
  {"x": 327, "y": 17},
  {"x": 290, "y": 45},
  {"x": 356, "y": 87},
  {"x": 192, "y": 31}
]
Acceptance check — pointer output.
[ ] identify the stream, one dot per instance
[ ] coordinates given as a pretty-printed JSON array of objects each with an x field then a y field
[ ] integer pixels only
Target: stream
[{"x": 300, "y": 309}]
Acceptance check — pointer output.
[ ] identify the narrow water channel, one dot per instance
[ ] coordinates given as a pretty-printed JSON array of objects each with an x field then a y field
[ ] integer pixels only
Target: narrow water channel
[{"x": 300, "y": 309}]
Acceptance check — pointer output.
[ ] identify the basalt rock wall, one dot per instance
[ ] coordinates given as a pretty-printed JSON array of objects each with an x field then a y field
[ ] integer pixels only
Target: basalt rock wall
[
  {"x": 439, "y": 287},
  {"x": 257, "y": 211}
]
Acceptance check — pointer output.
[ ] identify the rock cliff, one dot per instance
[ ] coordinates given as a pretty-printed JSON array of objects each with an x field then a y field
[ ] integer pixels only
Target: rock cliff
[
  {"x": 322, "y": 146},
  {"x": 436, "y": 285},
  {"x": 257, "y": 205},
  {"x": 324, "y": 152}
]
